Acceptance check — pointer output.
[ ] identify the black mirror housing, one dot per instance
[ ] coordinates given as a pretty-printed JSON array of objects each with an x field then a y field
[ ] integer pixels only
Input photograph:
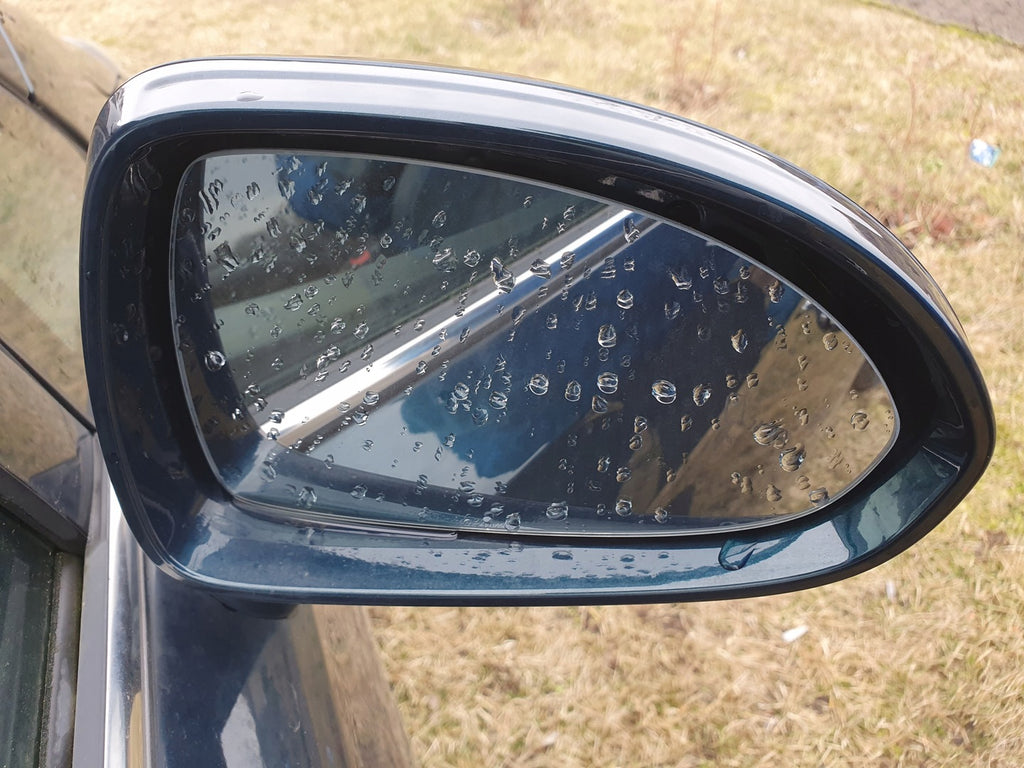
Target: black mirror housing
[{"x": 661, "y": 166}]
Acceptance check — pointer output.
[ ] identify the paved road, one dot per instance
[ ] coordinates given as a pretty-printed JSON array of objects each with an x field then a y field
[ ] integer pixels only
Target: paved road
[{"x": 1004, "y": 18}]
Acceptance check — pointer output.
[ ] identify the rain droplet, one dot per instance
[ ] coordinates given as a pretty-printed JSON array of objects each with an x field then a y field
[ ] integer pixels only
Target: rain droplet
[
  {"x": 498, "y": 400},
  {"x": 818, "y": 496},
  {"x": 604, "y": 464},
  {"x": 557, "y": 510},
  {"x": 566, "y": 260},
  {"x": 371, "y": 398},
  {"x": 561, "y": 554},
  {"x": 307, "y": 497},
  {"x": 792, "y": 458},
  {"x": 541, "y": 268},
  {"x": 630, "y": 232},
  {"x": 608, "y": 382},
  {"x": 735, "y": 554},
  {"x": 449, "y": 441},
  {"x": 661, "y": 515},
  {"x": 771, "y": 433},
  {"x": 513, "y": 521},
  {"x": 739, "y": 341},
  {"x": 480, "y": 416},
  {"x": 639, "y": 424},
  {"x": 359, "y": 492},
  {"x": 685, "y": 422},
  {"x": 672, "y": 310},
  {"x": 701, "y": 394},
  {"x": 681, "y": 279},
  {"x": 606, "y": 336},
  {"x": 215, "y": 360},
  {"x": 775, "y": 291},
  {"x": 664, "y": 391},
  {"x": 552, "y": 322},
  {"x": 440, "y": 219},
  {"x": 772, "y": 494},
  {"x": 573, "y": 390},
  {"x": 622, "y": 474},
  {"x": 472, "y": 258},
  {"x": 504, "y": 280},
  {"x": 636, "y": 442},
  {"x": 361, "y": 330},
  {"x": 539, "y": 384},
  {"x": 293, "y": 303},
  {"x": 624, "y": 299},
  {"x": 624, "y": 507},
  {"x": 598, "y": 404},
  {"x": 859, "y": 421}
]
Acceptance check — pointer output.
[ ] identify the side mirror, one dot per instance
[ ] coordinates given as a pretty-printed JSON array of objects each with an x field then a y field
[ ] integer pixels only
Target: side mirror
[{"x": 372, "y": 333}]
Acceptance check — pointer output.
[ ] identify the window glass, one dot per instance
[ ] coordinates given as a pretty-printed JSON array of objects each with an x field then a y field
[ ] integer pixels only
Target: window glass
[
  {"x": 41, "y": 175},
  {"x": 26, "y": 589}
]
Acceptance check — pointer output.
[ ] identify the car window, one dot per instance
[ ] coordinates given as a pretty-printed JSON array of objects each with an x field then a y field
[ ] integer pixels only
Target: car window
[
  {"x": 41, "y": 176},
  {"x": 26, "y": 592}
]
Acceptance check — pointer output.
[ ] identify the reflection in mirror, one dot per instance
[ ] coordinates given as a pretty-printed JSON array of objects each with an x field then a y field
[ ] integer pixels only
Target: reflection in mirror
[{"x": 383, "y": 341}]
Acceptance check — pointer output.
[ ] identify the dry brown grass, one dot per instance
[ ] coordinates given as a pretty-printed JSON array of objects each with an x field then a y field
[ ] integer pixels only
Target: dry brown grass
[{"x": 916, "y": 663}]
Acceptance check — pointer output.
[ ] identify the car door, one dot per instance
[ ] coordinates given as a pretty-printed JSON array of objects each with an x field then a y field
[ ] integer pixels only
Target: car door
[{"x": 107, "y": 661}]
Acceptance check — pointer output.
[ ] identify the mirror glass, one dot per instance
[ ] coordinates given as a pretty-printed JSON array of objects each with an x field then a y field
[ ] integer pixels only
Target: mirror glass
[{"x": 378, "y": 341}]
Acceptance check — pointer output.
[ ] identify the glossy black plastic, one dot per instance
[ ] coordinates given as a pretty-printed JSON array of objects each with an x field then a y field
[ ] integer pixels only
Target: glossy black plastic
[{"x": 795, "y": 225}]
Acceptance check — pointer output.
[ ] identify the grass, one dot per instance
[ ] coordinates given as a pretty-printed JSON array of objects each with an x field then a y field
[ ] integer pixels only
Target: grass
[{"x": 918, "y": 662}]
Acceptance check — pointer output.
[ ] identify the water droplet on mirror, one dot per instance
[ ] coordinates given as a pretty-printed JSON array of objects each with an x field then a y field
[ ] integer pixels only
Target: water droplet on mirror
[
  {"x": 293, "y": 303},
  {"x": 772, "y": 494},
  {"x": 630, "y": 232},
  {"x": 449, "y": 441},
  {"x": 636, "y": 442},
  {"x": 498, "y": 400},
  {"x": 792, "y": 458},
  {"x": 541, "y": 268},
  {"x": 771, "y": 433},
  {"x": 818, "y": 496},
  {"x": 561, "y": 554},
  {"x": 598, "y": 404},
  {"x": 685, "y": 422},
  {"x": 624, "y": 507},
  {"x": 306, "y": 497},
  {"x": 830, "y": 340},
  {"x": 721, "y": 286},
  {"x": 859, "y": 421},
  {"x": 512, "y": 522},
  {"x": 480, "y": 416},
  {"x": 439, "y": 220},
  {"x": 739, "y": 341},
  {"x": 681, "y": 278},
  {"x": 371, "y": 398},
  {"x": 573, "y": 391},
  {"x": 608, "y": 382},
  {"x": 661, "y": 515},
  {"x": 622, "y": 474},
  {"x": 215, "y": 360},
  {"x": 539, "y": 384},
  {"x": 557, "y": 510},
  {"x": 566, "y": 260},
  {"x": 775, "y": 291},
  {"x": 701, "y": 394},
  {"x": 504, "y": 280},
  {"x": 672, "y": 310},
  {"x": 639, "y": 424},
  {"x": 624, "y": 300},
  {"x": 664, "y": 391},
  {"x": 552, "y": 322}
]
